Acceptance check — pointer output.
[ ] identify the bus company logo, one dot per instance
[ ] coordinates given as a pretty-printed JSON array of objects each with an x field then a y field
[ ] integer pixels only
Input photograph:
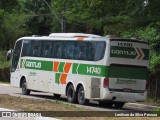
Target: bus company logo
[
  {"x": 33, "y": 64},
  {"x": 6, "y": 114},
  {"x": 124, "y": 52},
  {"x": 23, "y": 63},
  {"x": 128, "y": 52}
]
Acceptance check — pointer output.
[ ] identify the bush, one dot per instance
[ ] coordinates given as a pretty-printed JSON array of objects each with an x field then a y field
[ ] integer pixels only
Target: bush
[{"x": 4, "y": 67}]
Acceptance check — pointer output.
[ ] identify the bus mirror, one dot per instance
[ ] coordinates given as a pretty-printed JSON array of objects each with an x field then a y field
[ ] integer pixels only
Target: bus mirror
[{"x": 8, "y": 56}]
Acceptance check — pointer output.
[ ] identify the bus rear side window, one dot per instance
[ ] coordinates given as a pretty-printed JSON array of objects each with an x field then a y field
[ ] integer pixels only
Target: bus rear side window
[{"x": 99, "y": 50}]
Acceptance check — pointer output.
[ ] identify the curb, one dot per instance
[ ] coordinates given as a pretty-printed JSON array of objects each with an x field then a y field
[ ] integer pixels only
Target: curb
[
  {"x": 143, "y": 105},
  {"x": 3, "y": 84}
]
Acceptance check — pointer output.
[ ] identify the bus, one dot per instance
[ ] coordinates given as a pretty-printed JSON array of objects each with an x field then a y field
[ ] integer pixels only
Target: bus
[{"x": 82, "y": 67}]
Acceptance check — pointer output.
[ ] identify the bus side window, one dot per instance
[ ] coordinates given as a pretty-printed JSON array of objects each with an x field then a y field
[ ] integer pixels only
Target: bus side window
[
  {"x": 91, "y": 51},
  {"x": 35, "y": 50},
  {"x": 76, "y": 51},
  {"x": 69, "y": 50},
  {"x": 46, "y": 49},
  {"x": 81, "y": 51},
  {"x": 57, "y": 49}
]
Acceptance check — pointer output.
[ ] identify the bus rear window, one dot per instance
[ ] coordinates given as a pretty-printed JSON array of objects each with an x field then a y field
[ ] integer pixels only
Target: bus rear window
[{"x": 129, "y": 72}]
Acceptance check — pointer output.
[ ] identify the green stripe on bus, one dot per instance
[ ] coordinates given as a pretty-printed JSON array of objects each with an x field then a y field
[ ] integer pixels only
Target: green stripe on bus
[
  {"x": 74, "y": 68},
  {"x": 128, "y": 72},
  {"x": 61, "y": 66},
  {"x": 146, "y": 53},
  {"x": 57, "y": 76},
  {"x": 87, "y": 69},
  {"x": 21, "y": 63},
  {"x": 39, "y": 65}
]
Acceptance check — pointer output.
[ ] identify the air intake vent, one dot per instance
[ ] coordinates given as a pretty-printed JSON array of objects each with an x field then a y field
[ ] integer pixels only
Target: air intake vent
[{"x": 95, "y": 88}]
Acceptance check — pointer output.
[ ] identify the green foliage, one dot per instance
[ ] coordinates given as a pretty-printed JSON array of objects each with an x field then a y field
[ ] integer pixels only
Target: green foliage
[
  {"x": 156, "y": 111},
  {"x": 151, "y": 35},
  {"x": 12, "y": 25},
  {"x": 155, "y": 61},
  {"x": 8, "y": 5},
  {"x": 3, "y": 62},
  {"x": 38, "y": 22},
  {"x": 126, "y": 18}
]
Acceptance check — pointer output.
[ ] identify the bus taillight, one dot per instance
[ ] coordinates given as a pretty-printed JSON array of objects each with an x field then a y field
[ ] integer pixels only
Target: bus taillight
[{"x": 106, "y": 82}]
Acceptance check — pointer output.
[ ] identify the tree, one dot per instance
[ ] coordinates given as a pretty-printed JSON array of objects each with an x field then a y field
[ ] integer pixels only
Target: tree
[
  {"x": 39, "y": 19},
  {"x": 10, "y": 23}
]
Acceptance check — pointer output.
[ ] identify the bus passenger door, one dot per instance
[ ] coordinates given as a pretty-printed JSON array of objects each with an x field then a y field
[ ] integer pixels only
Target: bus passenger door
[
  {"x": 15, "y": 72},
  {"x": 43, "y": 81},
  {"x": 32, "y": 80}
]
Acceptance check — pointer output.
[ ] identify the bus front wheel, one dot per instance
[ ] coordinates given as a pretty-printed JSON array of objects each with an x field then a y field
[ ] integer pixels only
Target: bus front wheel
[
  {"x": 71, "y": 94},
  {"x": 25, "y": 91},
  {"x": 81, "y": 96}
]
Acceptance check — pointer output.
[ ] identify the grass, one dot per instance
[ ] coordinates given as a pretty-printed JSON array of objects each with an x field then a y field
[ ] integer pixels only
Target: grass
[
  {"x": 152, "y": 101},
  {"x": 3, "y": 62},
  {"x": 25, "y": 104}
]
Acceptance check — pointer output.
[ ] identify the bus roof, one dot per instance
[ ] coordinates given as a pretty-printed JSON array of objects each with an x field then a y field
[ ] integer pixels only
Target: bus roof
[
  {"x": 80, "y": 36},
  {"x": 64, "y": 35}
]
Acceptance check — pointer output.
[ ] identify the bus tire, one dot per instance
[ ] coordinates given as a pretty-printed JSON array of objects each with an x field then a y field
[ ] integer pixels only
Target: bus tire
[
  {"x": 81, "y": 96},
  {"x": 25, "y": 91},
  {"x": 119, "y": 104},
  {"x": 57, "y": 96},
  {"x": 107, "y": 104},
  {"x": 71, "y": 94}
]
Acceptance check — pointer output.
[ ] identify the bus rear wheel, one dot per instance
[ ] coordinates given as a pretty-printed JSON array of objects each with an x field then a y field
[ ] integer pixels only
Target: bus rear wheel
[
  {"x": 25, "y": 91},
  {"x": 71, "y": 94},
  {"x": 119, "y": 104},
  {"x": 81, "y": 96}
]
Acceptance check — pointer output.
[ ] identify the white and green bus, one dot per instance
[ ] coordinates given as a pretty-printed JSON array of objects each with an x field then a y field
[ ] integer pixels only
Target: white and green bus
[{"x": 82, "y": 67}]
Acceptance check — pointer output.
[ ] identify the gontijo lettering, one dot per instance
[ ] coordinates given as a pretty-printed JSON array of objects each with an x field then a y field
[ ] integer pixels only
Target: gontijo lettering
[
  {"x": 33, "y": 64},
  {"x": 123, "y": 52}
]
